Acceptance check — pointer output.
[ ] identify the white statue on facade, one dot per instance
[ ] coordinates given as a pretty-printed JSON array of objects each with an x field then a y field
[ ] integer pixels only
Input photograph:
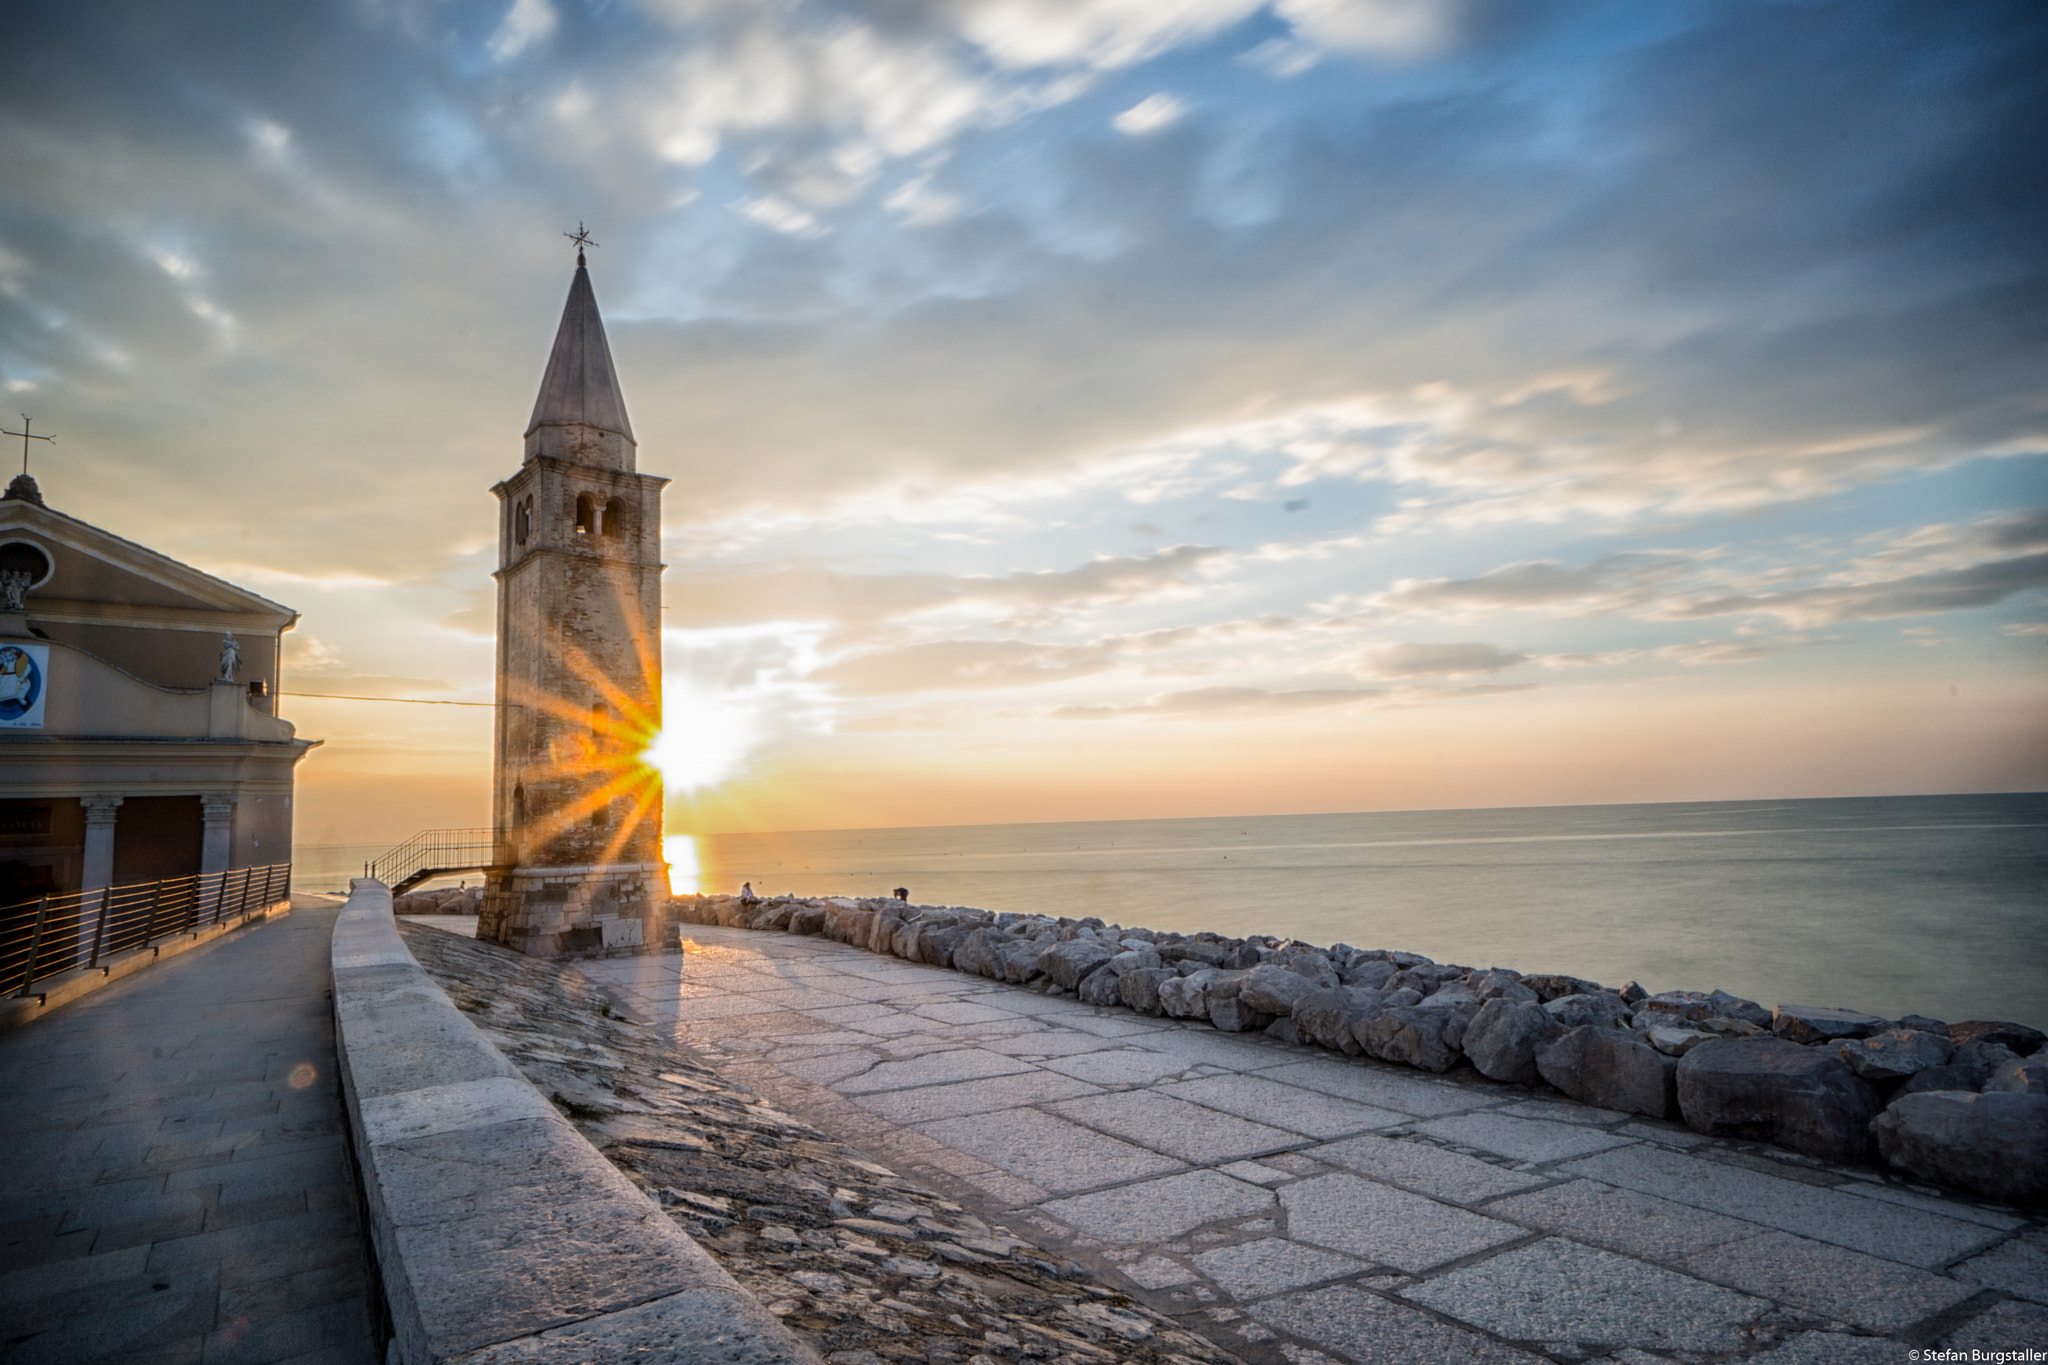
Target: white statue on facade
[
  {"x": 230, "y": 656},
  {"x": 14, "y": 586}
]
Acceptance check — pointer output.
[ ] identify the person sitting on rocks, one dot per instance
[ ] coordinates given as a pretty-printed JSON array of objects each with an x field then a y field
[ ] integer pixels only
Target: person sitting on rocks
[{"x": 747, "y": 896}]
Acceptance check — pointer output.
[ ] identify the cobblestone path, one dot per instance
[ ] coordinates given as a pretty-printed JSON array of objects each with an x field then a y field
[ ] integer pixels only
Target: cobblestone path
[
  {"x": 174, "y": 1185},
  {"x": 1304, "y": 1208}
]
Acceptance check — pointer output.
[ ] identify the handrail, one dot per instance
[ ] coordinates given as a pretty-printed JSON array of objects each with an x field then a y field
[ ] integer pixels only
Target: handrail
[
  {"x": 52, "y": 934},
  {"x": 434, "y": 851}
]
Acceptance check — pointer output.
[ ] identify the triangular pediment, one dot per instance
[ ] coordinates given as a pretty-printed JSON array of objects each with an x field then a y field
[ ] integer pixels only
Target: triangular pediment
[{"x": 90, "y": 565}]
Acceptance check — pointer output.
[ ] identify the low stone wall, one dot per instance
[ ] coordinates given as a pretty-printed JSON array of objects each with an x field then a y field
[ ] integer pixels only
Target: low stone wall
[
  {"x": 500, "y": 1234},
  {"x": 1963, "y": 1105}
]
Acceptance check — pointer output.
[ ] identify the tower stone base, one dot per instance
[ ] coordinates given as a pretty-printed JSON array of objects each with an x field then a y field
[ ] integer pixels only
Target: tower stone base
[{"x": 568, "y": 912}]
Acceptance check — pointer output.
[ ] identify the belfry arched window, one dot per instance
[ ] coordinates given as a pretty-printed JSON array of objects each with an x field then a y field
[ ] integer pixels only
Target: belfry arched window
[
  {"x": 586, "y": 515},
  {"x": 615, "y": 515},
  {"x": 522, "y": 520}
]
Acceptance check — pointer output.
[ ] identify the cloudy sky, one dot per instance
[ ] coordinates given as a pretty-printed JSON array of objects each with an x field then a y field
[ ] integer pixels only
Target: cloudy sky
[{"x": 1090, "y": 408}]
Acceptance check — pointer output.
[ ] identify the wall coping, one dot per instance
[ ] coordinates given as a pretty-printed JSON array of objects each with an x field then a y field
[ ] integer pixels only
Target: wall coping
[{"x": 500, "y": 1234}]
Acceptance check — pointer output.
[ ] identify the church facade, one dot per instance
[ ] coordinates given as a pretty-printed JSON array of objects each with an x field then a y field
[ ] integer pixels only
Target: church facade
[
  {"x": 139, "y": 738},
  {"x": 577, "y": 813}
]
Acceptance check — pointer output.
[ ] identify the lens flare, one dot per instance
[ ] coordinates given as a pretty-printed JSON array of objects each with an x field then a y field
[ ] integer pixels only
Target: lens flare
[{"x": 684, "y": 871}]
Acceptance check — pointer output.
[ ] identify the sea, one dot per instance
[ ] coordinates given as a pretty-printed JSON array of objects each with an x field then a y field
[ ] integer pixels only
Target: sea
[{"x": 1934, "y": 905}]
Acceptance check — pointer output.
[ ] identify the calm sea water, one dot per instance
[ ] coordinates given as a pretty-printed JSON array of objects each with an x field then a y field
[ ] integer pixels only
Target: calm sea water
[{"x": 1935, "y": 905}]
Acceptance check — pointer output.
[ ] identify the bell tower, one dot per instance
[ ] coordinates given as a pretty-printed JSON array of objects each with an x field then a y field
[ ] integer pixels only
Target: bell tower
[{"x": 577, "y": 813}]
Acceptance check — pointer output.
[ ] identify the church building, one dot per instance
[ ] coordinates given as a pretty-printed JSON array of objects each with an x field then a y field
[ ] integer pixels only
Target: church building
[
  {"x": 577, "y": 811},
  {"x": 139, "y": 738}
]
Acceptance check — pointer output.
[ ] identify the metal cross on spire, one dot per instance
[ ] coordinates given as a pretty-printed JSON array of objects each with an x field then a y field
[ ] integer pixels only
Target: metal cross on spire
[
  {"x": 26, "y": 435},
  {"x": 581, "y": 237}
]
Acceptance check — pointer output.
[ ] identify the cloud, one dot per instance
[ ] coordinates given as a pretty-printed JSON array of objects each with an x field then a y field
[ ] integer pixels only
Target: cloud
[
  {"x": 1613, "y": 583},
  {"x": 1389, "y": 28},
  {"x": 1436, "y": 660},
  {"x": 948, "y": 665},
  {"x": 1699, "y": 652},
  {"x": 1980, "y": 585},
  {"x": 800, "y": 591},
  {"x": 1232, "y": 701},
  {"x": 527, "y": 22},
  {"x": 1149, "y": 115}
]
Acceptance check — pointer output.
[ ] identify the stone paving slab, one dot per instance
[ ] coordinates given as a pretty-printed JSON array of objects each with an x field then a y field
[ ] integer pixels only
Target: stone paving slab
[
  {"x": 175, "y": 1185},
  {"x": 1302, "y": 1208},
  {"x": 1559, "y": 1291}
]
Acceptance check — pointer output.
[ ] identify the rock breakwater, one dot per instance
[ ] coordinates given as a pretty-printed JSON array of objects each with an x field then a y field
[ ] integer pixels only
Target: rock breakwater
[{"x": 1963, "y": 1105}]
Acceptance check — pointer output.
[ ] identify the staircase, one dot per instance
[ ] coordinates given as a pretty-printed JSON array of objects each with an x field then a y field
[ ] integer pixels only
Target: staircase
[{"x": 435, "y": 853}]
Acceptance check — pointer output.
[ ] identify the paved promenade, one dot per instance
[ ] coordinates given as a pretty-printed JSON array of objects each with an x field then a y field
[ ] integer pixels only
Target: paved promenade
[
  {"x": 1303, "y": 1208},
  {"x": 174, "y": 1186}
]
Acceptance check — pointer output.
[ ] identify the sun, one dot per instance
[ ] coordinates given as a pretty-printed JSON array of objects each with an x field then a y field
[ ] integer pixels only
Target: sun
[{"x": 704, "y": 739}]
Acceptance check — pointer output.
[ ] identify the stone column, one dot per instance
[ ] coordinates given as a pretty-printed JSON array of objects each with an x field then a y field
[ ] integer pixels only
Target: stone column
[
  {"x": 217, "y": 843},
  {"x": 100, "y": 814},
  {"x": 98, "y": 873}
]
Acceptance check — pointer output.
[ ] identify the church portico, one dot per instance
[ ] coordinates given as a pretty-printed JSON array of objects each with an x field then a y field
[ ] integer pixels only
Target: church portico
[{"x": 577, "y": 810}]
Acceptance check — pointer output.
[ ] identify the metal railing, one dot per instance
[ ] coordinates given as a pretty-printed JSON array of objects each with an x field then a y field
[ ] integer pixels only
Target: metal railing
[
  {"x": 435, "y": 853},
  {"x": 53, "y": 934}
]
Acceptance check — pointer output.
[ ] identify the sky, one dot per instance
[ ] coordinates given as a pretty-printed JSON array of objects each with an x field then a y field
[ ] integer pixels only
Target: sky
[{"x": 1089, "y": 409}]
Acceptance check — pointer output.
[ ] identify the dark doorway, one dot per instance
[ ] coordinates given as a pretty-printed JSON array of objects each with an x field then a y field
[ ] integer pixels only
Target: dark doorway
[
  {"x": 42, "y": 848},
  {"x": 156, "y": 836}
]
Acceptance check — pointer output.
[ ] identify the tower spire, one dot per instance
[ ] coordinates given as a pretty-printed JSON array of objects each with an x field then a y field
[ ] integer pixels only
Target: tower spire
[{"x": 580, "y": 414}]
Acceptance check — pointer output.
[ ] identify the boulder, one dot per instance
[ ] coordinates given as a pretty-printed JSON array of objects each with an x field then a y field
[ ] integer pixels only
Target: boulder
[
  {"x": 1327, "y": 1017},
  {"x": 1140, "y": 988},
  {"x": 1412, "y": 1035},
  {"x": 2024, "y": 1075},
  {"x": 1313, "y": 967},
  {"x": 976, "y": 954},
  {"x": 807, "y": 919},
  {"x": 1735, "y": 1007},
  {"x": 938, "y": 941},
  {"x": 1231, "y": 1014},
  {"x": 1895, "y": 1055},
  {"x": 1994, "y": 1144},
  {"x": 1822, "y": 1024},
  {"x": 2024, "y": 1041},
  {"x": 1551, "y": 986},
  {"x": 1923, "y": 1024},
  {"x": 1425, "y": 977},
  {"x": 1676, "y": 1040},
  {"x": 1503, "y": 1038},
  {"x": 1272, "y": 989},
  {"x": 1610, "y": 1068},
  {"x": 1019, "y": 959},
  {"x": 1775, "y": 1090},
  {"x": 1101, "y": 988},
  {"x": 1207, "y": 954},
  {"x": 1187, "y": 997},
  {"x": 1283, "y": 1030},
  {"x": 1604, "y": 1009},
  {"x": 1370, "y": 973},
  {"x": 1971, "y": 1069},
  {"x": 1499, "y": 985},
  {"x": 1068, "y": 963},
  {"x": 1690, "y": 1006},
  {"x": 1131, "y": 959},
  {"x": 847, "y": 924}
]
